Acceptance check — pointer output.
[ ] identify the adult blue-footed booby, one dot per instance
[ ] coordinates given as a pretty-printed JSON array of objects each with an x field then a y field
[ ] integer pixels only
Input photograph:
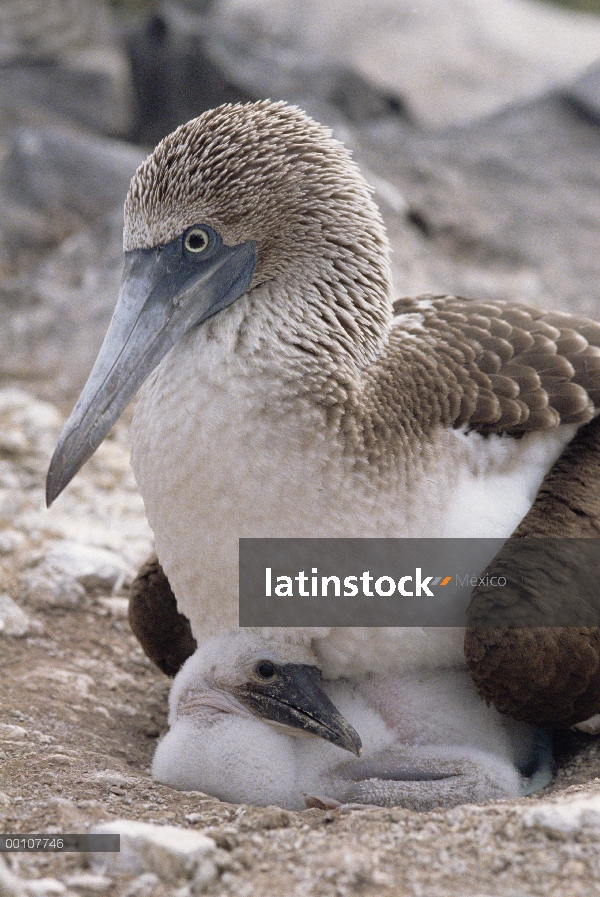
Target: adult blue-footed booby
[{"x": 284, "y": 393}]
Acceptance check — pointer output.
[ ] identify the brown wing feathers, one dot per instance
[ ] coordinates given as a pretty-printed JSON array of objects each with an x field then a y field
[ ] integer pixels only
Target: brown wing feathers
[
  {"x": 164, "y": 633},
  {"x": 519, "y": 369},
  {"x": 545, "y": 675}
]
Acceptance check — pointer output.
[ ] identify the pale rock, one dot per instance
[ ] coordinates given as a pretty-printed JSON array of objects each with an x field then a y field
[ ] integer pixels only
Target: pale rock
[
  {"x": 63, "y": 59},
  {"x": 86, "y": 883},
  {"x": 204, "y": 874},
  {"x": 171, "y": 853},
  {"x": 12, "y": 399},
  {"x": 590, "y": 726},
  {"x": 44, "y": 887},
  {"x": 42, "y": 589},
  {"x": 12, "y": 733},
  {"x": 116, "y": 607},
  {"x": 30, "y": 425},
  {"x": 14, "y": 442},
  {"x": 10, "y": 540},
  {"x": 76, "y": 683},
  {"x": 144, "y": 885},
  {"x": 43, "y": 737},
  {"x": 182, "y": 891},
  {"x": 453, "y": 60},
  {"x": 93, "y": 568},
  {"x": 10, "y": 885},
  {"x": 13, "y": 621},
  {"x": 113, "y": 777},
  {"x": 565, "y": 817}
]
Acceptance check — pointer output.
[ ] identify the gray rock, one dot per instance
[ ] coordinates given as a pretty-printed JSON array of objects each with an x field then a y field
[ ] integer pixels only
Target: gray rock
[
  {"x": 92, "y": 88},
  {"x": 87, "y": 883},
  {"x": 184, "y": 61},
  {"x": 57, "y": 316},
  {"x": 63, "y": 171},
  {"x": 53, "y": 182},
  {"x": 34, "y": 32},
  {"x": 506, "y": 207},
  {"x": 13, "y": 621},
  {"x": 174, "y": 77},
  {"x": 10, "y": 885},
  {"x": 169, "y": 852},
  {"x": 61, "y": 58},
  {"x": 566, "y": 817},
  {"x": 145, "y": 885},
  {"x": 44, "y": 887},
  {"x": 42, "y": 590},
  {"x": 93, "y": 568},
  {"x": 56, "y": 302},
  {"x": 585, "y": 94},
  {"x": 451, "y": 60}
]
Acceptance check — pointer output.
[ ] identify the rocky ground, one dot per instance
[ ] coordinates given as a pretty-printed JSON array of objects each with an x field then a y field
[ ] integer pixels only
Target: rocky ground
[{"x": 496, "y": 201}]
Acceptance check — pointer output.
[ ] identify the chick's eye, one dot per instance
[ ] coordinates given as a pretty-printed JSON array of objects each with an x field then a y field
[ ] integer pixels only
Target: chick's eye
[
  {"x": 264, "y": 669},
  {"x": 196, "y": 240}
]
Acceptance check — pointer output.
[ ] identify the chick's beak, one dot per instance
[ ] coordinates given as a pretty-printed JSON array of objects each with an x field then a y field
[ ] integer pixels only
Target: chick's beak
[{"x": 295, "y": 699}]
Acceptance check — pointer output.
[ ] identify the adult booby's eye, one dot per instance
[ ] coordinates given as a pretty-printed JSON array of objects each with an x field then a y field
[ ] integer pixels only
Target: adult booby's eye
[
  {"x": 265, "y": 670},
  {"x": 196, "y": 240}
]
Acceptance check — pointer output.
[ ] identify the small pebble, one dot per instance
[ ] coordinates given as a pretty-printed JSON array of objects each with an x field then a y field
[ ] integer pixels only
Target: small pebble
[
  {"x": 170, "y": 852},
  {"x": 43, "y": 588},
  {"x": 93, "y": 568},
  {"x": 44, "y": 887},
  {"x": 13, "y": 621},
  {"x": 89, "y": 883},
  {"x": 14, "y": 733},
  {"x": 10, "y": 540},
  {"x": 144, "y": 885}
]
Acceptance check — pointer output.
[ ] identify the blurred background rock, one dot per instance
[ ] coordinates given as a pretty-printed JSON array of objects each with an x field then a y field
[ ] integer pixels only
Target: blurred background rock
[{"x": 477, "y": 122}]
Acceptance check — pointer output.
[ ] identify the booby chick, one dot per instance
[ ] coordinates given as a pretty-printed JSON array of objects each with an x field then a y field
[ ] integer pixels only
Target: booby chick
[
  {"x": 285, "y": 393},
  {"x": 428, "y": 740}
]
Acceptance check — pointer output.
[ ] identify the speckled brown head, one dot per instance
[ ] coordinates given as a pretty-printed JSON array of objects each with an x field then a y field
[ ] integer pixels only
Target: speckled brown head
[
  {"x": 264, "y": 172},
  {"x": 252, "y": 200}
]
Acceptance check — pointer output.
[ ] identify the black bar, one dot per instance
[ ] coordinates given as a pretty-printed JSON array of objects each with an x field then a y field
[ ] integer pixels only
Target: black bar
[
  {"x": 478, "y": 583},
  {"x": 55, "y": 843}
]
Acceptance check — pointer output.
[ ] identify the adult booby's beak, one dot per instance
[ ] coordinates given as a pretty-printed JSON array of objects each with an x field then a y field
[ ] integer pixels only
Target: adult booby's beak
[
  {"x": 164, "y": 292},
  {"x": 295, "y": 698}
]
